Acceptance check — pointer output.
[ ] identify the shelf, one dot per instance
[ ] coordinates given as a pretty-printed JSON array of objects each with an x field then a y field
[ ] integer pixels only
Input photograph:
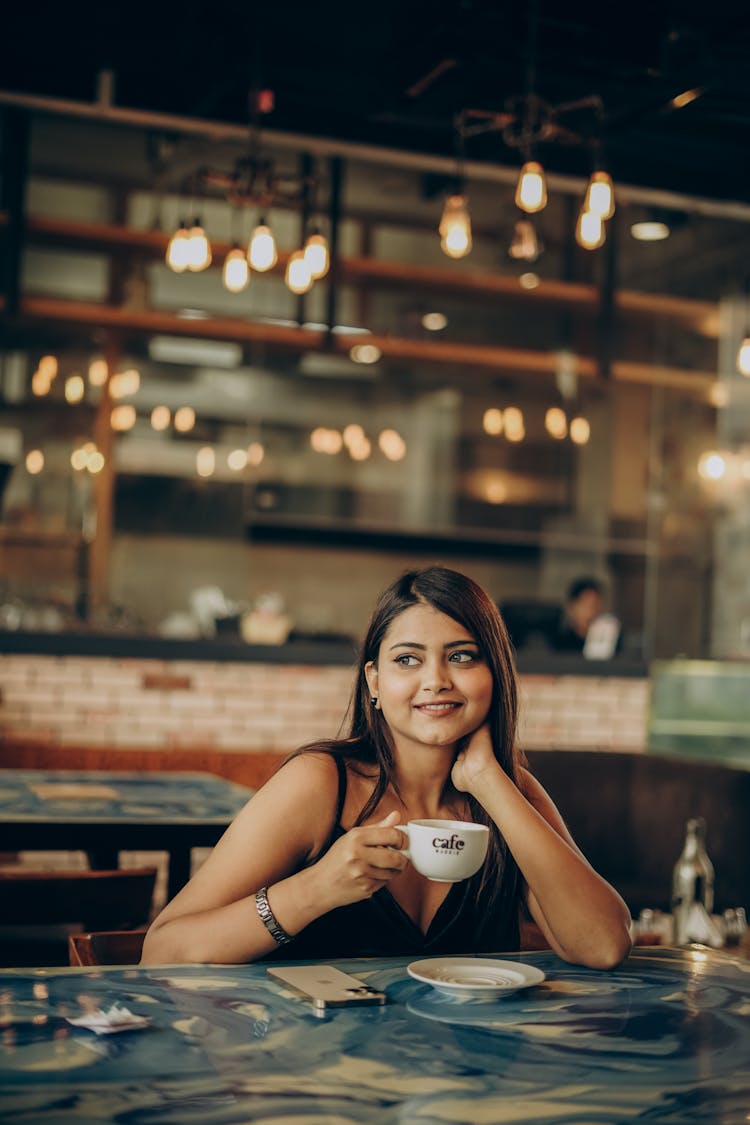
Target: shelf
[{"x": 492, "y": 359}]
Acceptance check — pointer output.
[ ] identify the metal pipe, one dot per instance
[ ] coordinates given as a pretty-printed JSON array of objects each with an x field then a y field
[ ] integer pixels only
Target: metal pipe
[
  {"x": 336, "y": 166},
  {"x": 373, "y": 154},
  {"x": 13, "y": 179}
]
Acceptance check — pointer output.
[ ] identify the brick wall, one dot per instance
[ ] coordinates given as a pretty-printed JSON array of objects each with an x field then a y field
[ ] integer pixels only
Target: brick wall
[
  {"x": 134, "y": 704},
  {"x": 583, "y": 713}
]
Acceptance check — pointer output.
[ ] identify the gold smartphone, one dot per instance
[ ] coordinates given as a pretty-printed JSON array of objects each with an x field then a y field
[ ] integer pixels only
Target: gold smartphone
[{"x": 326, "y": 986}]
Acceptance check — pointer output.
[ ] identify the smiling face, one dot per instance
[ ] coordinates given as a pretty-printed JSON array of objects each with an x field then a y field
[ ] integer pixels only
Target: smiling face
[{"x": 432, "y": 683}]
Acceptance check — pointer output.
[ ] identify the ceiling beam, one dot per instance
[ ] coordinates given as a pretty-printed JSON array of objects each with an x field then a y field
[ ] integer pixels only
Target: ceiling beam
[{"x": 106, "y": 113}]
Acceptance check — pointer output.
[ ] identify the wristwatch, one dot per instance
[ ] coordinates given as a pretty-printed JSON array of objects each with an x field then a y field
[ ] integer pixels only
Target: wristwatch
[{"x": 268, "y": 918}]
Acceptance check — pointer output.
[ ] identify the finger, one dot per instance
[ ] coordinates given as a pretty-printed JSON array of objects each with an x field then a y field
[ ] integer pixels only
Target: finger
[
  {"x": 390, "y": 859},
  {"x": 375, "y": 835},
  {"x": 392, "y": 818},
  {"x": 390, "y": 838},
  {"x": 398, "y": 838},
  {"x": 385, "y": 871}
]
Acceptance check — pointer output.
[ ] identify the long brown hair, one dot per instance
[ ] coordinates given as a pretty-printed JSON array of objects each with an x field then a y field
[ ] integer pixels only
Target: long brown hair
[{"x": 369, "y": 740}]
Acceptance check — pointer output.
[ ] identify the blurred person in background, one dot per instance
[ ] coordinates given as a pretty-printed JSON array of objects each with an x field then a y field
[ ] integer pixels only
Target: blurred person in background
[{"x": 584, "y": 602}]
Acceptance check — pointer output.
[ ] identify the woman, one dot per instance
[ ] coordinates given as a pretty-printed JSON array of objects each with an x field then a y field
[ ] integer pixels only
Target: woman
[{"x": 311, "y": 867}]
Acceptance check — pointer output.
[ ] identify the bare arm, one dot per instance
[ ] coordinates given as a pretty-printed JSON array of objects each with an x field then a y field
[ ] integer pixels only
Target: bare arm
[
  {"x": 214, "y": 917},
  {"x": 580, "y": 914}
]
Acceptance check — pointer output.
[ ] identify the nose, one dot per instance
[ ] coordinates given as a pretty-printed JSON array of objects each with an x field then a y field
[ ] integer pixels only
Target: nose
[{"x": 437, "y": 676}]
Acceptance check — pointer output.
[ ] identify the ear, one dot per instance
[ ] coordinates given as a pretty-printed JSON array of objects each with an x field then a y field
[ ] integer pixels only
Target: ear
[{"x": 371, "y": 675}]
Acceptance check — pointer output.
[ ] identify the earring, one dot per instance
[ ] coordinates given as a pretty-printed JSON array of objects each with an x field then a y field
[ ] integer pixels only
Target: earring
[{"x": 374, "y": 700}]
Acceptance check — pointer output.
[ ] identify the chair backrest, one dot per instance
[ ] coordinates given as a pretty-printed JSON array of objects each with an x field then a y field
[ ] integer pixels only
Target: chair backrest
[
  {"x": 108, "y": 947},
  {"x": 95, "y": 900}
]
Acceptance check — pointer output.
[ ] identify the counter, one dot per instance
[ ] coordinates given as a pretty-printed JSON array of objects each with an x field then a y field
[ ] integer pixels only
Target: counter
[
  {"x": 700, "y": 709},
  {"x": 128, "y": 693},
  {"x": 298, "y": 650}
]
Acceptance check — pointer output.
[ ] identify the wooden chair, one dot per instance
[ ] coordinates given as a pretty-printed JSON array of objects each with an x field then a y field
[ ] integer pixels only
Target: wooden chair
[
  {"x": 108, "y": 947},
  {"x": 36, "y": 905}
]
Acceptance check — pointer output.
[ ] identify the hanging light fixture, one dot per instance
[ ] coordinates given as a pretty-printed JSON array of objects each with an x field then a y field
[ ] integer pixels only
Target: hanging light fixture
[
  {"x": 455, "y": 223},
  {"x": 526, "y": 123},
  {"x": 298, "y": 277},
  {"x": 261, "y": 251},
  {"x": 236, "y": 273},
  {"x": 556, "y": 422},
  {"x": 600, "y": 195},
  {"x": 590, "y": 232},
  {"x": 178, "y": 254},
  {"x": 580, "y": 430},
  {"x": 184, "y": 419},
  {"x": 34, "y": 462},
  {"x": 317, "y": 254},
  {"x": 531, "y": 190},
  {"x": 514, "y": 426},
  {"x": 598, "y": 206},
  {"x": 455, "y": 227},
  {"x": 198, "y": 248},
  {"x": 743, "y": 357}
]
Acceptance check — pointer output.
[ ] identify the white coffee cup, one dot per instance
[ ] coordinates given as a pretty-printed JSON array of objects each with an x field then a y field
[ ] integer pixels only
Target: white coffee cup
[{"x": 446, "y": 850}]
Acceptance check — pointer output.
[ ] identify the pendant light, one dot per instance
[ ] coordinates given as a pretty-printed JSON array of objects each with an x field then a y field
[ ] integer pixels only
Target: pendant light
[
  {"x": 600, "y": 195},
  {"x": 455, "y": 223},
  {"x": 298, "y": 277},
  {"x": 531, "y": 191},
  {"x": 236, "y": 273},
  {"x": 455, "y": 227},
  {"x": 317, "y": 254},
  {"x": 743, "y": 357},
  {"x": 198, "y": 248},
  {"x": 590, "y": 233},
  {"x": 178, "y": 253},
  {"x": 261, "y": 252}
]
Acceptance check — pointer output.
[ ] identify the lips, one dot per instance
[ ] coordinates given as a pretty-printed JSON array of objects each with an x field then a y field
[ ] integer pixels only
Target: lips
[{"x": 437, "y": 709}]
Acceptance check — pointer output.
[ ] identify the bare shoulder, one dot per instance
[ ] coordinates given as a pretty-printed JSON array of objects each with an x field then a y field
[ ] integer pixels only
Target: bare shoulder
[
  {"x": 289, "y": 815},
  {"x": 313, "y": 774},
  {"x": 311, "y": 763}
]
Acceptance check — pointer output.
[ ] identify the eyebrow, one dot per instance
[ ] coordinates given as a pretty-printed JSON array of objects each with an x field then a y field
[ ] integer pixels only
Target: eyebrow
[{"x": 422, "y": 648}]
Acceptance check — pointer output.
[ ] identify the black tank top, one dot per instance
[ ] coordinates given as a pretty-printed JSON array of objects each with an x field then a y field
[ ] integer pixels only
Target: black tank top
[{"x": 379, "y": 927}]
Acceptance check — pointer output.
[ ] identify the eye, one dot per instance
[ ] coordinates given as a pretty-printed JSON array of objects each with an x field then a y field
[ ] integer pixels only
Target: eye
[
  {"x": 406, "y": 660},
  {"x": 464, "y": 656}
]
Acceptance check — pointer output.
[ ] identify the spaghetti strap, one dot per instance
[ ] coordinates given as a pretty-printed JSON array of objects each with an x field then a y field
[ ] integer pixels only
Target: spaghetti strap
[
  {"x": 341, "y": 767},
  {"x": 336, "y": 829}
]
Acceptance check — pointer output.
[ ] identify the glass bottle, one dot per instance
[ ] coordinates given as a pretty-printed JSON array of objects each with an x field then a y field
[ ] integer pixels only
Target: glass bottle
[{"x": 692, "y": 878}]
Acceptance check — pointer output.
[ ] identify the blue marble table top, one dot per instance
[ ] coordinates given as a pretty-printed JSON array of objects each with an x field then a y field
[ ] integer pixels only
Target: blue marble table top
[
  {"x": 99, "y": 796},
  {"x": 664, "y": 1038}
]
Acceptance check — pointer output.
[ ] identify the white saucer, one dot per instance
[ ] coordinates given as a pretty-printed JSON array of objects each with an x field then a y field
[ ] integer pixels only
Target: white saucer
[{"x": 475, "y": 976}]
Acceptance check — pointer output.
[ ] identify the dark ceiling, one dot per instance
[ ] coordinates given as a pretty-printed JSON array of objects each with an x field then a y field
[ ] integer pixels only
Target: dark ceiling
[{"x": 397, "y": 72}]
